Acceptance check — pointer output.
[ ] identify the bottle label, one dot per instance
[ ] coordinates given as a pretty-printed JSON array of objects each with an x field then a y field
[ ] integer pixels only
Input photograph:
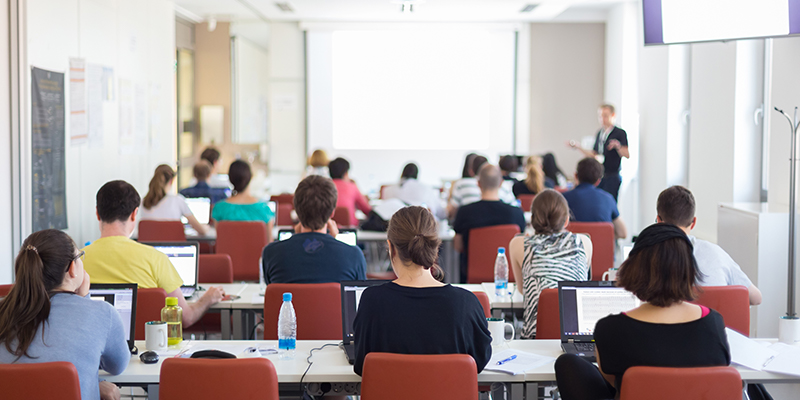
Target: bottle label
[{"x": 287, "y": 344}]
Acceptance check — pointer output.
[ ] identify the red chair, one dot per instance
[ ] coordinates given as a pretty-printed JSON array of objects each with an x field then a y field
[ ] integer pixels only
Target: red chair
[
  {"x": 243, "y": 241},
  {"x": 50, "y": 380},
  {"x": 161, "y": 231},
  {"x": 4, "y": 289},
  {"x": 602, "y": 235},
  {"x": 149, "y": 303},
  {"x": 410, "y": 376},
  {"x": 660, "y": 383},
  {"x": 204, "y": 379},
  {"x": 548, "y": 320},
  {"x": 386, "y": 276},
  {"x": 525, "y": 201},
  {"x": 284, "y": 216},
  {"x": 383, "y": 188},
  {"x": 732, "y": 302},
  {"x": 484, "y": 299},
  {"x": 342, "y": 217},
  {"x": 482, "y": 251},
  {"x": 283, "y": 198},
  {"x": 215, "y": 268},
  {"x": 318, "y": 307}
]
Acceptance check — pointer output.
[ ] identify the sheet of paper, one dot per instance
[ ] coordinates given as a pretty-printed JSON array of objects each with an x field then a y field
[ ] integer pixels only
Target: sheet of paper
[
  {"x": 787, "y": 360},
  {"x": 78, "y": 118},
  {"x": 747, "y": 352},
  {"x": 257, "y": 299},
  {"x": 94, "y": 95},
  {"x": 522, "y": 363}
]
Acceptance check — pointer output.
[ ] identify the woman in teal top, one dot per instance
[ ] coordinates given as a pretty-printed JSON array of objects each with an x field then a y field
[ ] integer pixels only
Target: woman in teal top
[{"x": 242, "y": 206}]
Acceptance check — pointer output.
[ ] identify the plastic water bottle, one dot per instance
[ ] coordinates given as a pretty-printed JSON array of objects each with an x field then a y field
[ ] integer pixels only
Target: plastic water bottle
[
  {"x": 501, "y": 273},
  {"x": 172, "y": 314},
  {"x": 287, "y": 328}
]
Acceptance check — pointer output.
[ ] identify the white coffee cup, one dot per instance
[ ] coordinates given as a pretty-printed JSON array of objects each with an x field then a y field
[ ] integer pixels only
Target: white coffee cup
[
  {"x": 155, "y": 335},
  {"x": 610, "y": 275},
  {"x": 789, "y": 330},
  {"x": 497, "y": 328}
]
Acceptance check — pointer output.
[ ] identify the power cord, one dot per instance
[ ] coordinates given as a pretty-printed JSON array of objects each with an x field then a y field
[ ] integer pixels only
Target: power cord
[{"x": 308, "y": 360}]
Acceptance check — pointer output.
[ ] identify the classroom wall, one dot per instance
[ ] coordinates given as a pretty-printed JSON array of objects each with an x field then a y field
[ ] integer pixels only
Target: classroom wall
[
  {"x": 786, "y": 96},
  {"x": 137, "y": 40}
]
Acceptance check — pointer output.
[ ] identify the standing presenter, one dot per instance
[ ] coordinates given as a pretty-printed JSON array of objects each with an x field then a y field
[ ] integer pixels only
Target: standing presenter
[{"x": 610, "y": 145}]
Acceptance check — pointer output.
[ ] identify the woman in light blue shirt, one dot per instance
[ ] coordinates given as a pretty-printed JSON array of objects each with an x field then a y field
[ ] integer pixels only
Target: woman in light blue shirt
[
  {"x": 242, "y": 206},
  {"x": 47, "y": 317}
]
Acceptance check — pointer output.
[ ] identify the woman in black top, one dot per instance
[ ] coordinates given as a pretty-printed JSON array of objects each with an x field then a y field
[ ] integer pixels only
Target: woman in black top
[
  {"x": 665, "y": 331},
  {"x": 416, "y": 313}
]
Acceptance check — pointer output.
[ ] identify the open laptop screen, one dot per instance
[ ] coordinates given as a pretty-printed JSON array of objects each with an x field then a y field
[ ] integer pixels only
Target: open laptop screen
[
  {"x": 184, "y": 257},
  {"x": 582, "y": 304},
  {"x": 351, "y": 298},
  {"x": 201, "y": 209},
  {"x": 123, "y": 297}
]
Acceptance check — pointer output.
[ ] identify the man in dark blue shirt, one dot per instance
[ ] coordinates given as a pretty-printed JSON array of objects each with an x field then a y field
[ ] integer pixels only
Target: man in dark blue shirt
[
  {"x": 312, "y": 254},
  {"x": 489, "y": 211},
  {"x": 588, "y": 203},
  {"x": 202, "y": 172}
]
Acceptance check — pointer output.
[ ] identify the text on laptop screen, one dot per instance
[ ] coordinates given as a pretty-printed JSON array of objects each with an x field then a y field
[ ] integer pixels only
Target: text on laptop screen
[
  {"x": 590, "y": 304},
  {"x": 346, "y": 237},
  {"x": 184, "y": 259},
  {"x": 121, "y": 299},
  {"x": 200, "y": 208},
  {"x": 352, "y": 298}
]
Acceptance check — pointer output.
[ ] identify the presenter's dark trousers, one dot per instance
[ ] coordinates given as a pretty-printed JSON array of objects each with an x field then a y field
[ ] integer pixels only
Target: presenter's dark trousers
[{"x": 610, "y": 183}]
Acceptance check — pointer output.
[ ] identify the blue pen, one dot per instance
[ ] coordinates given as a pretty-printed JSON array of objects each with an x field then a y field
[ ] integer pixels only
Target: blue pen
[{"x": 501, "y": 362}]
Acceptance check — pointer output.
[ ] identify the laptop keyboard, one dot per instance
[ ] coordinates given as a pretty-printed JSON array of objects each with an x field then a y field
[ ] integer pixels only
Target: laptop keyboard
[
  {"x": 584, "y": 347},
  {"x": 187, "y": 291}
]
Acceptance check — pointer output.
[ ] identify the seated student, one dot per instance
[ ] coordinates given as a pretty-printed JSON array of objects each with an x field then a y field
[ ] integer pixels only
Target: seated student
[
  {"x": 312, "y": 254},
  {"x": 553, "y": 176},
  {"x": 676, "y": 206},
  {"x": 348, "y": 194},
  {"x": 665, "y": 331},
  {"x": 551, "y": 255},
  {"x": 317, "y": 164},
  {"x": 534, "y": 181},
  {"x": 416, "y": 313},
  {"x": 466, "y": 190},
  {"x": 588, "y": 203},
  {"x": 47, "y": 317},
  {"x": 415, "y": 193},
  {"x": 213, "y": 157},
  {"x": 161, "y": 205},
  {"x": 242, "y": 206},
  {"x": 508, "y": 164},
  {"x": 115, "y": 258},
  {"x": 489, "y": 211},
  {"x": 202, "y": 172}
]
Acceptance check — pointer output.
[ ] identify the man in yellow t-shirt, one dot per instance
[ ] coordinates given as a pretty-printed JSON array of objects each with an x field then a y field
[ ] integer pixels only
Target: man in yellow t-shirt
[{"x": 115, "y": 258}]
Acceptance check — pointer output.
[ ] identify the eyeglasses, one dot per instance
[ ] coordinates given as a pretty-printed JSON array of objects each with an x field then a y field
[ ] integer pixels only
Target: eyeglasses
[{"x": 81, "y": 255}]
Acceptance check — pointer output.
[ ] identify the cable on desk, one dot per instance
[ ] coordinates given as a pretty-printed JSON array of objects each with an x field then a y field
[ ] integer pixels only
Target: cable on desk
[{"x": 308, "y": 360}]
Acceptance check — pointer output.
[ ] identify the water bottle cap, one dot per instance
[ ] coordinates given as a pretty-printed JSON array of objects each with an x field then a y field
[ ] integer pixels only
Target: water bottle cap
[
  {"x": 501, "y": 250},
  {"x": 172, "y": 301},
  {"x": 287, "y": 297}
]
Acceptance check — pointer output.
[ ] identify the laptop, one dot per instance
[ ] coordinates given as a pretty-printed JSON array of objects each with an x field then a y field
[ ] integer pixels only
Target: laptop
[
  {"x": 581, "y": 305},
  {"x": 123, "y": 297},
  {"x": 273, "y": 206},
  {"x": 200, "y": 208},
  {"x": 185, "y": 258},
  {"x": 346, "y": 236},
  {"x": 351, "y": 296}
]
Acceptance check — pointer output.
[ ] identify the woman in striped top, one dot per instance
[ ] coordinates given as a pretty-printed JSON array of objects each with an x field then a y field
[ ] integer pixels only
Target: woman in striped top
[{"x": 551, "y": 255}]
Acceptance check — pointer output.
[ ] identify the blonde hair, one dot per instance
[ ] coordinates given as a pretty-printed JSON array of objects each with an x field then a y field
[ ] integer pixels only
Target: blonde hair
[
  {"x": 158, "y": 185},
  {"x": 535, "y": 179},
  {"x": 318, "y": 159}
]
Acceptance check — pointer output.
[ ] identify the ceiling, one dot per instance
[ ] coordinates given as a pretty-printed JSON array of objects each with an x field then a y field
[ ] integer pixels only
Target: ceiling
[{"x": 390, "y": 10}]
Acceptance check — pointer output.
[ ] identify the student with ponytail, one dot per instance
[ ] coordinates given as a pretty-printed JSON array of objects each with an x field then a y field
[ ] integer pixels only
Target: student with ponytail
[
  {"x": 395, "y": 316},
  {"x": 46, "y": 316},
  {"x": 161, "y": 205}
]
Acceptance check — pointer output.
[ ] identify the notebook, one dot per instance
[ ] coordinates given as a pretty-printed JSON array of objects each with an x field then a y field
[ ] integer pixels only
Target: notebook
[
  {"x": 185, "y": 258},
  {"x": 347, "y": 236},
  {"x": 351, "y": 296},
  {"x": 581, "y": 305},
  {"x": 200, "y": 208},
  {"x": 123, "y": 297}
]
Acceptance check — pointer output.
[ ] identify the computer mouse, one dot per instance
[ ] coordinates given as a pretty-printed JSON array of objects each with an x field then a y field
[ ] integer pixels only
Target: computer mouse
[{"x": 149, "y": 357}]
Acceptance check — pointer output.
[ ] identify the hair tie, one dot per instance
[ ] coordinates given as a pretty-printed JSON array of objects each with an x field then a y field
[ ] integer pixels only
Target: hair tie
[
  {"x": 29, "y": 247},
  {"x": 658, "y": 233}
]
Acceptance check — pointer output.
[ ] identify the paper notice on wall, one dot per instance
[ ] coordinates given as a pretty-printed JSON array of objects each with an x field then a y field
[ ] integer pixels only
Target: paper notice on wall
[
  {"x": 156, "y": 117},
  {"x": 78, "y": 117},
  {"x": 126, "y": 136},
  {"x": 94, "y": 108},
  {"x": 284, "y": 102}
]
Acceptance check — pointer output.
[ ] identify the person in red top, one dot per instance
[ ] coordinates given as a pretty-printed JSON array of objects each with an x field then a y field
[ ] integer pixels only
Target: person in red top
[{"x": 349, "y": 195}]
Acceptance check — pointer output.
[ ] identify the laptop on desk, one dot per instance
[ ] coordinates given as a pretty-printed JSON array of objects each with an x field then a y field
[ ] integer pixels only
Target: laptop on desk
[
  {"x": 185, "y": 258},
  {"x": 581, "y": 305},
  {"x": 200, "y": 208},
  {"x": 351, "y": 296},
  {"x": 123, "y": 297}
]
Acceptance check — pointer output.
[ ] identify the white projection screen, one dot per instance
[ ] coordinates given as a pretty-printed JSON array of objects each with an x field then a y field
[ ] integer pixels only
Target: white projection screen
[{"x": 385, "y": 97}]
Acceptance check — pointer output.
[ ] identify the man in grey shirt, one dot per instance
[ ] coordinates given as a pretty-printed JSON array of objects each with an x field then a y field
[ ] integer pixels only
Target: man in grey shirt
[{"x": 676, "y": 206}]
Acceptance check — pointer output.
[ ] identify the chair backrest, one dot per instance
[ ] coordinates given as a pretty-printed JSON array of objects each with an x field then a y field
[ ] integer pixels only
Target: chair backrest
[
  {"x": 50, "y": 380},
  {"x": 318, "y": 307},
  {"x": 206, "y": 379},
  {"x": 482, "y": 251},
  {"x": 284, "y": 198},
  {"x": 387, "y": 377},
  {"x": 243, "y": 241},
  {"x": 4, "y": 289},
  {"x": 484, "y": 299},
  {"x": 383, "y": 190},
  {"x": 525, "y": 201},
  {"x": 732, "y": 302},
  {"x": 660, "y": 383},
  {"x": 341, "y": 215},
  {"x": 149, "y": 303},
  {"x": 161, "y": 231},
  {"x": 284, "y": 217},
  {"x": 548, "y": 320},
  {"x": 215, "y": 268},
  {"x": 602, "y": 235}
]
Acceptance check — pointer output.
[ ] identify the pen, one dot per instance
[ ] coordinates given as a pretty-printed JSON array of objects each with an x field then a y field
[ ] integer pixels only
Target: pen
[
  {"x": 768, "y": 360},
  {"x": 501, "y": 362}
]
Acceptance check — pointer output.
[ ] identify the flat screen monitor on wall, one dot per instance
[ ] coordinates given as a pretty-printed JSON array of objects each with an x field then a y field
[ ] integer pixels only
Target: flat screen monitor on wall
[{"x": 688, "y": 21}]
